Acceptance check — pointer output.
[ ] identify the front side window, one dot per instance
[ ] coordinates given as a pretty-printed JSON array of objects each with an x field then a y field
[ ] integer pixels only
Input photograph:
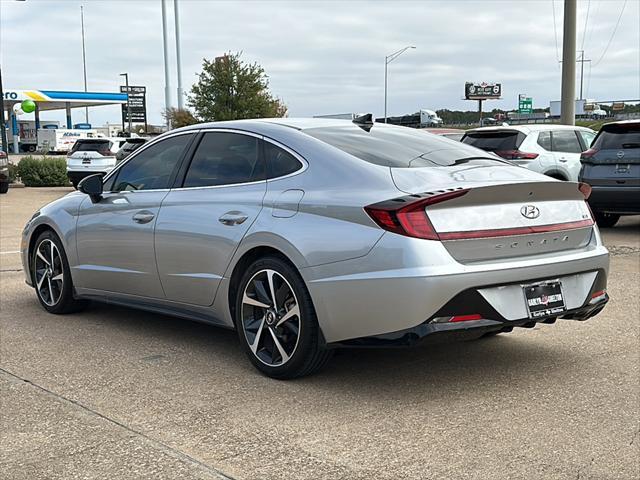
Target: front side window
[
  {"x": 587, "y": 137},
  {"x": 152, "y": 168},
  {"x": 565, "y": 141},
  {"x": 279, "y": 161},
  {"x": 224, "y": 158}
]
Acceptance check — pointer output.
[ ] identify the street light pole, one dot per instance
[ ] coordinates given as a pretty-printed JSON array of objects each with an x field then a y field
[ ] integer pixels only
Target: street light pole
[
  {"x": 126, "y": 82},
  {"x": 178, "y": 55},
  {"x": 387, "y": 60},
  {"x": 3, "y": 129},
  {"x": 167, "y": 79}
]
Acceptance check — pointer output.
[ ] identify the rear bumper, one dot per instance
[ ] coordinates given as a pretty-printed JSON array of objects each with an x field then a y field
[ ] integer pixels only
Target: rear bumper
[
  {"x": 77, "y": 175},
  {"x": 403, "y": 283},
  {"x": 616, "y": 199},
  {"x": 490, "y": 322}
]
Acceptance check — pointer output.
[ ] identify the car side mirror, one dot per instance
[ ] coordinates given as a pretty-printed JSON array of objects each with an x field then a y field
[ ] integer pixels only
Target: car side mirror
[{"x": 92, "y": 186}]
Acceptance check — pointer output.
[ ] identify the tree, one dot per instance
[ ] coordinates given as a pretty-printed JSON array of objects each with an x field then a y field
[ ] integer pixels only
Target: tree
[
  {"x": 179, "y": 118},
  {"x": 230, "y": 89}
]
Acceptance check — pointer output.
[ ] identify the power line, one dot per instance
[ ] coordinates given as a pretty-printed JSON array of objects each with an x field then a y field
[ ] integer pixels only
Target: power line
[
  {"x": 590, "y": 27},
  {"x": 586, "y": 21},
  {"x": 613, "y": 34},
  {"x": 555, "y": 31}
]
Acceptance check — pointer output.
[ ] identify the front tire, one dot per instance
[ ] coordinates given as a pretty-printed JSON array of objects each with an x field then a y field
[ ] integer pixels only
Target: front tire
[
  {"x": 4, "y": 187},
  {"x": 52, "y": 277},
  {"x": 276, "y": 321},
  {"x": 606, "y": 220}
]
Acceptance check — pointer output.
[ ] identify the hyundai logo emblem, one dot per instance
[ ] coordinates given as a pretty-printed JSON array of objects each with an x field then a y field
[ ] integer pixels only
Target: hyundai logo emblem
[
  {"x": 530, "y": 211},
  {"x": 620, "y": 154}
]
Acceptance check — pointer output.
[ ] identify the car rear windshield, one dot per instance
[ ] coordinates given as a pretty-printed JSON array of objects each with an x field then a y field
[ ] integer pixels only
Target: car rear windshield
[
  {"x": 91, "y": 145},
  {"x": 618, "y": 137},
  {"x": 132, "y": 145},
  {"x": 399, "y": 147},
  {"x": 495, "y": 141}
]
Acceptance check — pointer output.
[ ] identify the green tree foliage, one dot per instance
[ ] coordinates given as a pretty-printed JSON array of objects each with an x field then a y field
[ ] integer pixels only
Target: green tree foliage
[
  {"x": 179, "y": 118},
  {"x": 230, "y": 89}
]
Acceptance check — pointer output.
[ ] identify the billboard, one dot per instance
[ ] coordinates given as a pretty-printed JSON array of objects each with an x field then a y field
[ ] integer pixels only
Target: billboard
[
  {"x": 482, "y": 91},
  {"x": 137, "y": 104}
]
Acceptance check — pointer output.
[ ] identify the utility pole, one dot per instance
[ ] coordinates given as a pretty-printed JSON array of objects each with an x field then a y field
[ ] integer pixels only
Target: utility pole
[
  {"x": 568, "y": 100},
  {"x": 178, "y": 55},
  {"x": 167, "y": 79},
  {"x": 84, "y": 63},
  {"x": 582, "y": 62}
]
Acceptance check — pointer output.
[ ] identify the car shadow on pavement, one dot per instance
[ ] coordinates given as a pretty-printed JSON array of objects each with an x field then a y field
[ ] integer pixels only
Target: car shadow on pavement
[{"x": 434, "y": 370}]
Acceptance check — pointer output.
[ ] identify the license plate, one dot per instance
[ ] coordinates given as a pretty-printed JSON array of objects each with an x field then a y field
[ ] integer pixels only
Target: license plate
[{"x": 544, "y": 299}]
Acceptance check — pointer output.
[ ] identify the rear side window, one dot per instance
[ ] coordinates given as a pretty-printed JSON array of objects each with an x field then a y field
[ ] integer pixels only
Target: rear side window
[
  {"x": 618, "y": 137},
  {"x": 544, "y": 140},
  {"x": 565, "y": 141},
  {"x": 91, "y": 146},
  {"x": 279, "y": 161},
  {"x": 497, "y": 141},
  {"x": 224, "y": 159}
]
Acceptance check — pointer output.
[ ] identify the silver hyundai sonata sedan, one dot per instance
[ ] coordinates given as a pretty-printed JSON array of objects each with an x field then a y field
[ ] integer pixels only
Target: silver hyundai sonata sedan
[{"x": 305, "y": 235}]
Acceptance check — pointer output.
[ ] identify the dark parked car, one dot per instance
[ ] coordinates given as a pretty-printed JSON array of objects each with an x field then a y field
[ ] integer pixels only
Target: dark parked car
[
  {"x": 612, "y": 167},
  {"x": 130, "y": 146},
  {"x": 4, "y": 172}
]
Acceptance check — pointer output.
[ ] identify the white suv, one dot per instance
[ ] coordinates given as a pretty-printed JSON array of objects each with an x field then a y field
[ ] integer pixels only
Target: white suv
[
  {"x": 92, "y": 155},
  {"x": 550, "y": 149}
]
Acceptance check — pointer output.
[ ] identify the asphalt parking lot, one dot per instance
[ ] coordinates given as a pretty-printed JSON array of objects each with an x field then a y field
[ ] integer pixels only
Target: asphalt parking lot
[{"x": 115, "y": 393}]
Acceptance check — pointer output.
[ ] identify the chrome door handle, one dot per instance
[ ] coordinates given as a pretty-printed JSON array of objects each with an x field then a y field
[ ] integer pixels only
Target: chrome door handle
[
  {"x": 233, "y": 218},
  {"x": 143, "y": 216}
]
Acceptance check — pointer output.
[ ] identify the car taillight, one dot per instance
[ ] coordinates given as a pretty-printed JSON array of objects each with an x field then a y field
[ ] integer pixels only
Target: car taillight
[
  {"x": 588, "y": 153},
  {"x": 585, "y": 189},
  {"x": 516, "y": 155},
  {"x": 409, "y": 217}
]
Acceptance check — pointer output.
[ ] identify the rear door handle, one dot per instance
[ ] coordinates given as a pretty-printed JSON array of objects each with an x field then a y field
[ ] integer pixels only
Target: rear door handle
[
  {"x": 563, "y": 160},
  {"x": 144, "y": 216},
  {"x": 233, "y": 218}
]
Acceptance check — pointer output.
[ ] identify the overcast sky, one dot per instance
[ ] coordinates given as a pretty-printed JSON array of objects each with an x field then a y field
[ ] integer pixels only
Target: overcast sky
[{"x": 324, "y": 57}]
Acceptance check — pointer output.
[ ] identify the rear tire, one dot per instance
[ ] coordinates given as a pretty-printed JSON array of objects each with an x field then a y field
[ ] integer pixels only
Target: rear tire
[
  {"x": 606, "y": 220},
  {"x": 4, "y": 187},
  {"x": 280, "y": 335},
  {"x": 51, "y": 276}
]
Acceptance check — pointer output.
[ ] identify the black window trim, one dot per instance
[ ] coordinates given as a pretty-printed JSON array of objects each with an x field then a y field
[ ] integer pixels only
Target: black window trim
[
  {"x": 137, "y": 152},
  {"x": 179, "y": 182}
]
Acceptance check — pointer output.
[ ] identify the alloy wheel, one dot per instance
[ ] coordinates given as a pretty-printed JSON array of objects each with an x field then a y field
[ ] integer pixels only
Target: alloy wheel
[
  {"x": 270, "y": 317},
  {"x": 49, "y": 272}
]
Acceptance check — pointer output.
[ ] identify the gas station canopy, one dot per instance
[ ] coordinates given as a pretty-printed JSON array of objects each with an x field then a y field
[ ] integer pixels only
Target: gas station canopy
[{"x": 60, "y": 100}]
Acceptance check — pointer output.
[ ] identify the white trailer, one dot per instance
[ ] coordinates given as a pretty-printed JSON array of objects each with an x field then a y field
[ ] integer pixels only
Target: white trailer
[
  {"x": 61, "y": 140},
  {"x": 28, "y": 141}
]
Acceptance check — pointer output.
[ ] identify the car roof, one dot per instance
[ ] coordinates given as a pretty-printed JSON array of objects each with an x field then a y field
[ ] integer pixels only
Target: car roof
[
  {"x": 528, "y": 128},
  {"x": 258, "y": 123}
]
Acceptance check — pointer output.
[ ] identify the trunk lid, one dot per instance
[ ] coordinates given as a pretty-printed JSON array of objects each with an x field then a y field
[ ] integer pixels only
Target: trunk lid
[{"x": 507, "y": 212}]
